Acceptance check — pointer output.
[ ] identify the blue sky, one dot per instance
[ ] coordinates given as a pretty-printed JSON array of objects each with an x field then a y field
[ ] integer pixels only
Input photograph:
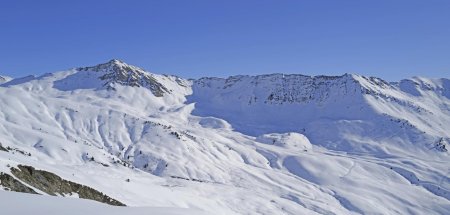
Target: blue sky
[{"x": 392, "y": 39}]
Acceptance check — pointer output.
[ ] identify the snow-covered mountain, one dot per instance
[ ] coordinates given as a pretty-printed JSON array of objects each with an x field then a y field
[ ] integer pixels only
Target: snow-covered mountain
[
  {"x": 4, "y": 79},
  {"x": 268, "y": 144},
  {"x": 360, "y": 111}
]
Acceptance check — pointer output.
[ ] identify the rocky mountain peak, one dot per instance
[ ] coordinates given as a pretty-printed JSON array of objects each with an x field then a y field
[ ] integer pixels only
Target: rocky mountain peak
[{"x": 119, "y": 72}]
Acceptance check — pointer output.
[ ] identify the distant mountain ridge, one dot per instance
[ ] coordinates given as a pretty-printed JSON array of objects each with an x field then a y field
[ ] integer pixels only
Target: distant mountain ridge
[
  {"x": 282, "y": 103},
  {"x": 4, "y": 79}
]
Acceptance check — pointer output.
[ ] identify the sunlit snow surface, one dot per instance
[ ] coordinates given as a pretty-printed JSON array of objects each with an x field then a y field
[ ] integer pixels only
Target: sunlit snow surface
[
  {"x": 273, "y": 144},
  {"x": 25, "y": 204}
]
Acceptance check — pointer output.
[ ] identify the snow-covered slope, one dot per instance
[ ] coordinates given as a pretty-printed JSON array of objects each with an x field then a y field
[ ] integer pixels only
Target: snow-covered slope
[
  {"x": 358, "y": 112},
  {"x": 271, "y": 144},
  {"x": 25, "y": 204}
]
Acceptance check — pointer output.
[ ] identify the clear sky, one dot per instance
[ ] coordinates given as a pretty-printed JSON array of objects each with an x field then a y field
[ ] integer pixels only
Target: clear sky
[{"x": 392, "y": 39}]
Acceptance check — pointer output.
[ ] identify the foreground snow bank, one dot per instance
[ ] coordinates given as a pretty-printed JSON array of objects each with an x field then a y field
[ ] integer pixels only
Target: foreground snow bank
[{"x": 25, "y": 204}]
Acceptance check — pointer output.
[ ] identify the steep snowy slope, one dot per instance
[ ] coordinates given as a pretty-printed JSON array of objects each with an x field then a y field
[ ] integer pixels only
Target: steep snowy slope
[{"x": 273, "y": 144}]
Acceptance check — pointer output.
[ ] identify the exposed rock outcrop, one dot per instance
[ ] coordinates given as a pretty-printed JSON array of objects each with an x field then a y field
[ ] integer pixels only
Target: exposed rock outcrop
[
  {"x": 55, "y": 185},
  {"x": 10, "y": 183}
]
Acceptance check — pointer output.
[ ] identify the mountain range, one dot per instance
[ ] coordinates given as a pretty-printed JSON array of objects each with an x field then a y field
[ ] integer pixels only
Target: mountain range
[{"x": 265, "y": 144}]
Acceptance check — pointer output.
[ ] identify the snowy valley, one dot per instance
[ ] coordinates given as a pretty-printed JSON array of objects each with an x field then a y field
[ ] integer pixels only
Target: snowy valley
[{"x": 266, "y": 144}]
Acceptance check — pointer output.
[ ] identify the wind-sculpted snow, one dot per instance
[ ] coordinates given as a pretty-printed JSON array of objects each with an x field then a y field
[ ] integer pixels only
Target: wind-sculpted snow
[
  {"x": 288, "y": 140},
  {"x": 271, "y": 144}
]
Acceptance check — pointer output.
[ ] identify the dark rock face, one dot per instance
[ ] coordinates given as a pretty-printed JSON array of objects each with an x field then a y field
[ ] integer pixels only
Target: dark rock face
[
  {"x": 53, "y": 185},
  {"x": 3, "y": 148},
  {"x": 12, "y": 184}
]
